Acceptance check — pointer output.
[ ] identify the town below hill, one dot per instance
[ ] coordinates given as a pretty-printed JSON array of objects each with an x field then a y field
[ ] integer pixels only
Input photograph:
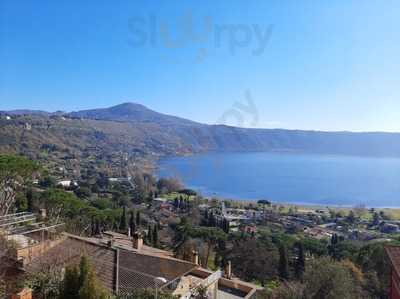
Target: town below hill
[{"x": 144, "y": 236}]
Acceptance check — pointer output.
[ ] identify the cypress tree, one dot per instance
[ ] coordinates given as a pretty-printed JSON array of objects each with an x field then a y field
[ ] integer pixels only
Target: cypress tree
[
  {"x": 132, "y": 223},
  {"x": 84, "y": 268},
  {"x": 91, "y": 288},
  {"x": 181, "y": 202},
  {"x": 29, "y": 197},
  {"x": 138, "y": 218},
  {"x": 176, "y": 202},
  {"x": 123, "y": 222},
  {"x": 283, "y": 263},
  {"x": 149, "y": 235},
  {"x": 97, "y": 228},
  {"x": 155, "y": 236},
  {"x": 300, "y": 261},
  {"x": 70, "y": 285},
  {"x": 92, "y": 226}
]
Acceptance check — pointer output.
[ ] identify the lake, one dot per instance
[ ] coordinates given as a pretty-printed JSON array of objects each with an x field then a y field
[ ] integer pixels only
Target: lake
[{"x": 290, "y": 178}]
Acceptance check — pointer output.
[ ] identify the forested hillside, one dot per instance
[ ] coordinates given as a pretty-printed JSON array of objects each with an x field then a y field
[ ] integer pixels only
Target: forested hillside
[{"x": 133, "y": 128}]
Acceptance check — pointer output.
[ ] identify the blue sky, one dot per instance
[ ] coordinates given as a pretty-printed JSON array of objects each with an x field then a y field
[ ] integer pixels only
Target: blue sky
[{"x": 325, "y": 65}]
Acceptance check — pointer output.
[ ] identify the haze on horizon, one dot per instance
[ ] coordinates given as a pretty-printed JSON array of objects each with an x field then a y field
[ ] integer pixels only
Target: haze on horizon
[{"x": 306, "y": 65}]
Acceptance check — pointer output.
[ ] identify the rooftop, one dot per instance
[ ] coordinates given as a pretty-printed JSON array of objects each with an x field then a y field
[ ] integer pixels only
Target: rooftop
[{"x": 393, "y": 253}]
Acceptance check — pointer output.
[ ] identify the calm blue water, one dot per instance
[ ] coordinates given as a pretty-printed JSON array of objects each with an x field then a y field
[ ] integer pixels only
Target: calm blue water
[{"x": 291, "y": 178}]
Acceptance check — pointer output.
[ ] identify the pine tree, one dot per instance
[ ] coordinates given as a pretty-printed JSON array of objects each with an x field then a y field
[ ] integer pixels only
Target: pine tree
[
  {"x": 155, "y": 236},
  {"x": 70, "y": 286},
  {"x": 283, "y": 263},
  {"x": 299, "y": 266},
  {"x": 123, "y": 222}
]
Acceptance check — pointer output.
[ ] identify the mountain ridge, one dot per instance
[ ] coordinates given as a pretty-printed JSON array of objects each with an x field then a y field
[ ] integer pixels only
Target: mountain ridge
[{"x": 146, "y": 130}]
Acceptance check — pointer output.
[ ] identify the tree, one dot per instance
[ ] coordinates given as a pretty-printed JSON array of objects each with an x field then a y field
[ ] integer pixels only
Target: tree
[
  {"x": 283, "y": 263},
  {"x": 138, "y": 218},
  {"x": 168, "y": 185},
  {"x": 155, "y": 235},
  {"x": 84, "y": 268},
  {"x": 176, "y": 203},
  {"x": 375, "y": 219},
  {"x": 6, "y": 249},
  {"x": 225, "y": 226},
  {"x": 149, "y": 235},
  {"x": 132, "y": 223},
  {"x": 48, "y": 182},
  {"x": 325, "y": 278},
  {"x": 299, "y": 266},
  {"x": 15, "y": 173},
  {"x": 351, "y": 218},
  {"x": 83, "y": 192},
  {"x": 70, "y": 286},
  {"x": 29, "y": 198},
  {"x": 82, "y": 283},
  {"x": 182, "y": 234},
  {"x": 123, "y": 225},
  {"x": 285, "y": 290},
  {"x": 91, "y": 288},
  {"x": 211, "y": 236},
  {"x": 252, "y": 259},
  {"x": 374, "y": 262},
  {"x": 315, "y": 247},
  {"x": 264, "y": 203}
]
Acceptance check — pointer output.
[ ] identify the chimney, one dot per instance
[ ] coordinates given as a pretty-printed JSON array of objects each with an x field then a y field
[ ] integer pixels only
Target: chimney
[
  {"x": 43, "y": 214},
  {"x": 137, "y": 241},
  {"x": 195, "y": 257},
  {"x": 110, "y": 242},
  {"x": 228, "y": 270}
]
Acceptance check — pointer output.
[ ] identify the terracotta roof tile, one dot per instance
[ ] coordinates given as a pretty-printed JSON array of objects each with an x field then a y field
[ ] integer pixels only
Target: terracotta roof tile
[{"x": 394, "y": 255}]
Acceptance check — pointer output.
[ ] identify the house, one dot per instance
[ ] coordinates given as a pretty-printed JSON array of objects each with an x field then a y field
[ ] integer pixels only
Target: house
[
  {"x": 388, "y": 228},
  {"x": 124, "y": 263},
  {"x": 393, "y": 253},
  {"x": 67, "y": 183},
  {"x": 318, "y": 232},
  {"x": 250, "y": 229}
]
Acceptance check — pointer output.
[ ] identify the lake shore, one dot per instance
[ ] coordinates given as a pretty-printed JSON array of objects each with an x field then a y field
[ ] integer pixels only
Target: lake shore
[{"x": 340, "y": 182}]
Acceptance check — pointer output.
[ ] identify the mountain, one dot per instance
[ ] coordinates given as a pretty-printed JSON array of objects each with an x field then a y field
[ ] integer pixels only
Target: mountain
[
  {"x": 201, "y": 137},
  {"x": 131, "y": 112},
  {"x": 131, "y": 127}
]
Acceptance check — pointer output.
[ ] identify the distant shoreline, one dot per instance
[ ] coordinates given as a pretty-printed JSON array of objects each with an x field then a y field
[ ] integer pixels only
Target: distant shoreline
[{"x": 332, "y": 181}]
